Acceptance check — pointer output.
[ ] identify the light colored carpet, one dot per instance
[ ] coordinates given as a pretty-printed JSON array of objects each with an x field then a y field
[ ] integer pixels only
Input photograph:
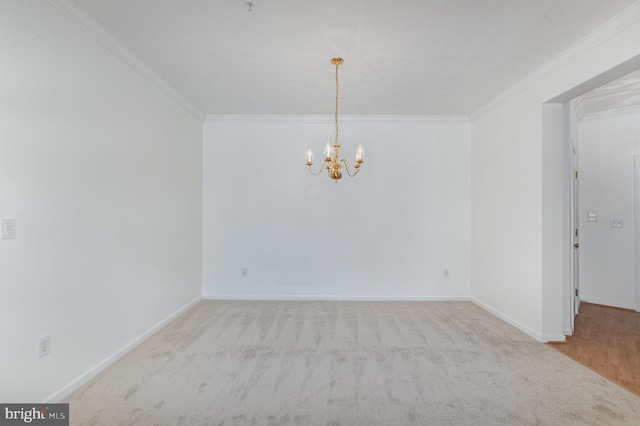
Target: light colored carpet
[{"x": 347, "y": 363}]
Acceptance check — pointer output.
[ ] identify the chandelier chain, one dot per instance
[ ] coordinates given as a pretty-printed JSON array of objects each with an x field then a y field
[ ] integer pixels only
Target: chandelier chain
[{"x": 336, "y": 142}]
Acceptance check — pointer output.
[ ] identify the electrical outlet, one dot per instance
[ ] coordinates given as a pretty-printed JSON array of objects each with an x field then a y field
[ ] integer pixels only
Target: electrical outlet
[
  {"x": 45, "y": 346},
  {"x": 245, "y": 272},
  {"x": 445, "y": 273}
]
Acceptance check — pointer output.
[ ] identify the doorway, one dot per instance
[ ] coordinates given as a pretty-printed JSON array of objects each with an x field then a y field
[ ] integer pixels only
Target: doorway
[
  {"x": 560, "y": 303},
  {"x": 606, "y": 140}
]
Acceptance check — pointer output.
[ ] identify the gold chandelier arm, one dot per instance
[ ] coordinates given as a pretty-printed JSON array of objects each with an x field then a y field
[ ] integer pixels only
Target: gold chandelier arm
[
  {"x": 319, "y": 171},
  {"x": 352, "y": 174}
]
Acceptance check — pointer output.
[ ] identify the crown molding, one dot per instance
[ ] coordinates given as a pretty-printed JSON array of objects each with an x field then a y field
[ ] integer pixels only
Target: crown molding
[
  {"x": 608, "y": 30},
  {"x": 85, "y": 21},
  {"x": 610, "y": 113},
  {"x": 330, "y": 119}
]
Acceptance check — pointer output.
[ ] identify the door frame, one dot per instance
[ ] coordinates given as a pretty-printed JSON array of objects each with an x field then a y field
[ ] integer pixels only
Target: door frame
[
  {"x": 575, "y": 234},
  {"x": 636, "y": 215}
]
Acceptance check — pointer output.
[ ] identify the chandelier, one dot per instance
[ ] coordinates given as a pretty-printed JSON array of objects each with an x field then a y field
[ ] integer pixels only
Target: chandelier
[{"x": 332, "y": 161}]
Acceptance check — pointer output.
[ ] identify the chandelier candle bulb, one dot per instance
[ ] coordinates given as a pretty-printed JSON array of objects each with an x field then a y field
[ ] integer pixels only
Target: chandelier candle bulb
[
  {"x": 309, "y": 157},
  {"x": 327, "y": 151},
  {"x": 360, "y": 154}
]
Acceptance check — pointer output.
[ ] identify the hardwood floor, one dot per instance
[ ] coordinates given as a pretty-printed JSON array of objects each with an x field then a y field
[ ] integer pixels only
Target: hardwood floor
[{"x": 607, "y": 340}]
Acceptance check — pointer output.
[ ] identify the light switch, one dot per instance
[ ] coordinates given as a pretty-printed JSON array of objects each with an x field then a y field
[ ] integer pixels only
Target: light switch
[
  {"x": 592, "y": 215},
  {"x": 8, "y": 228},
  {"x": 615, "y": 222}
]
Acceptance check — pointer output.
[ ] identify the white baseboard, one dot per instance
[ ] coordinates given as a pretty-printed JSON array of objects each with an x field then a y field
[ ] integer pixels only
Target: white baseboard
[
  {"x": 539, "y": 337},
  {"x": 372, "y": 298},
  {"x": 86, "y": 377},
  {"x": 546, "y": 338}
]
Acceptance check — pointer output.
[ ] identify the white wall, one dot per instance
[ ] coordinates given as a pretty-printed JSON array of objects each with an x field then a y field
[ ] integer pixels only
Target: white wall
[
  {"x": 386, "y": 234},
  {"x": 102, "y": 172},
  {"x": 508, "y": 192},
  {"x": 608, "y": 143},
  {"x": 506, "y": 240}
]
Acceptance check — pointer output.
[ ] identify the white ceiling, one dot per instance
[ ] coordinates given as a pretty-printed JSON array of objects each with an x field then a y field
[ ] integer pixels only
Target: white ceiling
[{"x": 402, "y": 57}]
